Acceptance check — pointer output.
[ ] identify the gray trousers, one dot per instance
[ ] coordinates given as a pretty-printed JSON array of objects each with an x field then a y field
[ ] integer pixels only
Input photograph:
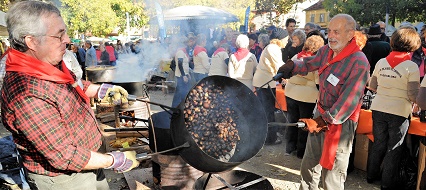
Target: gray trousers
[
  {"x": 311, "y": 170},
  {"x": 93, "y": 179}
]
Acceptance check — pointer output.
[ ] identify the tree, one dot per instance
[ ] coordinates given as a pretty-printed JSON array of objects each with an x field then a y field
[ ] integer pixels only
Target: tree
[
  {"x": 279, "y": 6},
  {"x": 101, "y": 17},
  {"x": 366, "y": 12},
  {"x": 410, "y": 10},
  {"x": 136, "y": 10},
  {"x": 4, "y": 5}
]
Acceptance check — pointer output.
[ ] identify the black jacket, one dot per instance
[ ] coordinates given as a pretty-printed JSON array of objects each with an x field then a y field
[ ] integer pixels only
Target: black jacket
[{"x": 380, "y": 49}]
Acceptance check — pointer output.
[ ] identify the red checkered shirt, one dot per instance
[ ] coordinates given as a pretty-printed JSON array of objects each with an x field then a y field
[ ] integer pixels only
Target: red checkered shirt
[
  {"x": 342, "y": 99},
  {"x": 53, "y": 128}
]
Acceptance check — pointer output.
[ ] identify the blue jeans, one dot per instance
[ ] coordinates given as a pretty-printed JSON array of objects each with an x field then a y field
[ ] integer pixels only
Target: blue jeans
[
  {"x": 182, "y": 89},
  {"x": 199, "y": 76},
  {"x": 296, "y": 138},
  {"x": 389, "y": 132}
]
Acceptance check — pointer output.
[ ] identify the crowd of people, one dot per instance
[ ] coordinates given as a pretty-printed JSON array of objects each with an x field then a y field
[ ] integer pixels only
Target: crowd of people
[
  {"x": 45, "y": 99},
  {"x": 327, "y": 75}
]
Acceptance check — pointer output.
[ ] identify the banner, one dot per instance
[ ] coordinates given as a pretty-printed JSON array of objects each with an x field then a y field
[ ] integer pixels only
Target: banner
[
  {"x": 160, "y": 20},
  {"x": 246, "y": 20}
]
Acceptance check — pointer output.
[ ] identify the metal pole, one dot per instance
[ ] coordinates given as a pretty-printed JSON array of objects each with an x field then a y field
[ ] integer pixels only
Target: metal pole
[{"x": 387, "y": 16}]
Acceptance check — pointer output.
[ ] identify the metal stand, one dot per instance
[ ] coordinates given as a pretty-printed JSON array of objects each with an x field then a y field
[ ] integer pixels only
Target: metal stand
[{"x": 246, "y": 182}]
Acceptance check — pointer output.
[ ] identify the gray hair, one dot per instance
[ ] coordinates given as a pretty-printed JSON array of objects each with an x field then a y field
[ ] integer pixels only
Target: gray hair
[
  {"x": 242, "y": 41},
  {"x": 311, "y": 25},
  {"x": 28, "y": 18},
  {"x": 301, "y": 35},
  {"x": 264, "y": 38}
]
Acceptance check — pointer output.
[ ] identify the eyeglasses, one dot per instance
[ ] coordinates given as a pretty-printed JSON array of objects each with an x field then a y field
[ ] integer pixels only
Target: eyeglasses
[{"x": 60, "y": 37}]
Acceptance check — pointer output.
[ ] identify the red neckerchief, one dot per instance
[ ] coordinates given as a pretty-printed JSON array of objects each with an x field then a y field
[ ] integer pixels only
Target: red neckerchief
[
  {"x": 304, "y": 53},
  {"x": 22, "y": 63},
  {"x": 332, "y": 135},
  {"x": 241, "y": 53},
  {"x": 348, "y": 50},
  {"x": 396, "y": 57},
  {"x": 332, "y": 138},
  {"x": 254, "y": 46},
  {"x": 424, "y": 50},
  {"x": 219, "y": 50},
  {"x": 198, "y": 49}
]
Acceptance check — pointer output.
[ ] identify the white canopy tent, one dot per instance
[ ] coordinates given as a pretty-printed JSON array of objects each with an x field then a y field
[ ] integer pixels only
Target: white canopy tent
[{"x": 199, "y": 13}]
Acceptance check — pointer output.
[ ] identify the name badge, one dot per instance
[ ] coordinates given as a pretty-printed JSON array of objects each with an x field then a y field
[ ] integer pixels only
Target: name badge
[{"x": 333, "y": 79}]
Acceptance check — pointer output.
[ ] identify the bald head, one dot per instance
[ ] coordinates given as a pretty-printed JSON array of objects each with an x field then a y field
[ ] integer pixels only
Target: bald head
[
  {"x": 350, "y": 23},
  {"x": 382, "y": 26},
  {"x": 341, "y": 30}
]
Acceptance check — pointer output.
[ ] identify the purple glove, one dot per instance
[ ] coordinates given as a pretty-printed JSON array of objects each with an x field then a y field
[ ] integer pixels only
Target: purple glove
[{"x": 123, "y": 161}]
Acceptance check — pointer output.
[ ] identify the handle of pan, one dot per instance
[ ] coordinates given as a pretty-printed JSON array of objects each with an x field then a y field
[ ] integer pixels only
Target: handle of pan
[
  {"x": 278, "y": 124},
  {"x": 132, "y": 118},
  {"x": 145, "y": 155},
  {"x": 126, "y": 129}
]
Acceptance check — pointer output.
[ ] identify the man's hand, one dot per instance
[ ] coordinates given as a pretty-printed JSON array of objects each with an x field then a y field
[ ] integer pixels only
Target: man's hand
[
  {"x": 113, "y": 94},
  {"x": 123, "y": 161},
  {"x": 314, "y": 125},
  {"x": 286, "y": 70}
]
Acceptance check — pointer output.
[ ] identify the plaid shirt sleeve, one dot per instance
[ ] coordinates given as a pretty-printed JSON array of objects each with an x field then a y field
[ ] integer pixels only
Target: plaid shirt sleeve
[
  {"x": 42, "y": 124},
  {"x": 339, "y": 101},
  {"x": 308, "y": 64}
]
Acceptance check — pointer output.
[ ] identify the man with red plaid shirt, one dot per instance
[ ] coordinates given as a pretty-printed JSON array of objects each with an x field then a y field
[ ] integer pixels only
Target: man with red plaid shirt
[
  {"x": 343, "y": 73},
  {"x": 48, "y": 114}
]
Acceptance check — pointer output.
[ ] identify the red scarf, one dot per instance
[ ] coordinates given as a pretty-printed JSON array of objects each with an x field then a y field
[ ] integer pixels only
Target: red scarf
[
  {"x": 348, "y": 50},
  {"x": 304, "y": 53},
  {"x": 199, "y": 49},
  {"x": 219, "y": 50},
  {"x": 332, "y": 136},
  {"x": 241, "y": 53},
  {"x": 22, "y": 63},
  {"x": 397, "y": 57}
]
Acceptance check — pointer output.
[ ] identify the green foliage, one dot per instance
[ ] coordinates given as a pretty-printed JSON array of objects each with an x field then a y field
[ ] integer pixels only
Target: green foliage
[
  {"x": 4, "y": 5},
  {"x": 366, "y": 12},
  {"x": 100, "y": 17},
  {"x": 279, "y": 6}
]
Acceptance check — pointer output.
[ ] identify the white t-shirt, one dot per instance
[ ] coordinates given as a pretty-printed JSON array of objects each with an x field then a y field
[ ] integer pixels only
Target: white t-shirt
[
  {"x": 219, "y": 66},
  {"x": 303, "y": 88},
  {"x": 201, "y": 63},
  {"x": 243, "y": 70},
  {"x": 269, "y": 63},
  {"x": 72, "y": 64},
  {"x": 392, "y": 87}
]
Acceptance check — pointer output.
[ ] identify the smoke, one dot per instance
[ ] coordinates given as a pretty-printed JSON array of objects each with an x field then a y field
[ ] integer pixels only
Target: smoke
[{"x": 137, "y": 67}]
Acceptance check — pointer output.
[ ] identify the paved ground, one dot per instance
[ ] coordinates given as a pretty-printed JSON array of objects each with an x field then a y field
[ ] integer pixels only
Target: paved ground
[{"x": 282, "y": 171}]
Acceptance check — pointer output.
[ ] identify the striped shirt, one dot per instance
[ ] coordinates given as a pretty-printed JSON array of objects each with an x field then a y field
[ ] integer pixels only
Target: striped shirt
[{"x": 340, "y": 100}]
